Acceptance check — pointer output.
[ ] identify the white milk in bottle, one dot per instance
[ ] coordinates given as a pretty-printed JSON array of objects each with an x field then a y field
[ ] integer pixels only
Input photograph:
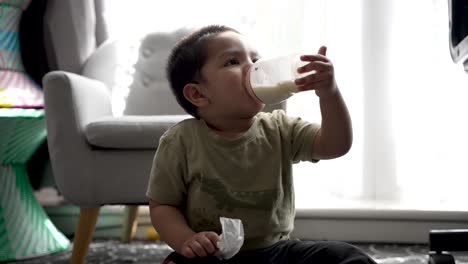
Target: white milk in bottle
[{"x": 272, "y": 80}]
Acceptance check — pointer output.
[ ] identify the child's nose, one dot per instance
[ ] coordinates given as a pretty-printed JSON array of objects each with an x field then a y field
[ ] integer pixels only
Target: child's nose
[{"x": 246, "y": 67}]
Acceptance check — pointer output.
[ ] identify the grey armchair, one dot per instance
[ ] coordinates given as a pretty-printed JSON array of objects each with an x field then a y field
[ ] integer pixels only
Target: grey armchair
[{"x": 97, "y": 157}]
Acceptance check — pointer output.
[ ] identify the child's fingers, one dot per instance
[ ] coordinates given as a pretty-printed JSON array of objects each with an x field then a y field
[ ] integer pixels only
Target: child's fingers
[
  {"x": 320, "y": 56},
  {"x": 186, "y": 251},
  {"x": 308, "y": 82},
  {"x": 318, "y": 66},
  {"x": 213, "y": 237},
  {"x": 207, "y": 244},
  {"x": 198, "y": 249},
  {"x": 323, "y": 50},
  {"x": 314, "y": 57}
]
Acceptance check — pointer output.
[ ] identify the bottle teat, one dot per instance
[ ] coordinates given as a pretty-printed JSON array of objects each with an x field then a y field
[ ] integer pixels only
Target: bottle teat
[{"x": 248, "y": 84}]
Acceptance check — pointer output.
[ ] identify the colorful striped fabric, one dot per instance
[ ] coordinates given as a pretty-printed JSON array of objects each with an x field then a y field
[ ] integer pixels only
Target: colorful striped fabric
[
  {"x": 25, "y": 229},
  {"x": 22, "y": 131},
  {"x": 16, "y": 88}
]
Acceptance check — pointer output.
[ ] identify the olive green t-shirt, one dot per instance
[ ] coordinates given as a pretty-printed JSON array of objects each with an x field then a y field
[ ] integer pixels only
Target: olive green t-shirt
[{"x": 208, "y": 176}]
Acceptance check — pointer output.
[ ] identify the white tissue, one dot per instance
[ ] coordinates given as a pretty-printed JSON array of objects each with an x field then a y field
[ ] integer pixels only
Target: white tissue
[{"x": 232, "y": 238}]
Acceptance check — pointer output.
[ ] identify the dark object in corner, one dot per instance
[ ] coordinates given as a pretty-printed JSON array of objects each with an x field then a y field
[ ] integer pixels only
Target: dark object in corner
[
  {"x": 441, "y": 242},
  {"x": 458, "y": 35},
  {"x": 31, "y": 40}
]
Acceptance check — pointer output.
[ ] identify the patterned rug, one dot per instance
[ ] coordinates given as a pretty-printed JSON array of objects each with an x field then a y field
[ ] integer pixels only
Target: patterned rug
[{"x": 113, "y": 251}]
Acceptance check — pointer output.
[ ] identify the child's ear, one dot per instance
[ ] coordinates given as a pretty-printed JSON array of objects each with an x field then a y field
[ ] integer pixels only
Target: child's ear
[{"x": 193, "y": 92}]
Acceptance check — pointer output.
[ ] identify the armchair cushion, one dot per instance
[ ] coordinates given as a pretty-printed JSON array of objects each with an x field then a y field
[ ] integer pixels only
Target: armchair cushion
[
  {"x": 129, "y": 132},
  {"x": 134, "y": 73},
  {"x": 149, "y": 78}
]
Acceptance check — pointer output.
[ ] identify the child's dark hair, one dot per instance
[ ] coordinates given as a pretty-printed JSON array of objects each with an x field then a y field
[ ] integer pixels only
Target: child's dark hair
[{"x": 186, "y": 60}]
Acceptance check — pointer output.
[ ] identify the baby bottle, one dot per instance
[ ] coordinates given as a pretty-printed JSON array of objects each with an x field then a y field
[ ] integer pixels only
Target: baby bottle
[{"x": 272, "y": 80}]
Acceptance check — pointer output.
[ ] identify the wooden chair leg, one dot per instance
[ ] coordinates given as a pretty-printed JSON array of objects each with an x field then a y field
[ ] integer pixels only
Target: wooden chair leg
[
  {"x": 129, "y": 223},
  {"x": 84, "y": 233}
]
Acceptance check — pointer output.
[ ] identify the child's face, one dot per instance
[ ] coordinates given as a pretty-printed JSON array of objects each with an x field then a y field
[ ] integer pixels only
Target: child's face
[{"x": 229, "y": 55}]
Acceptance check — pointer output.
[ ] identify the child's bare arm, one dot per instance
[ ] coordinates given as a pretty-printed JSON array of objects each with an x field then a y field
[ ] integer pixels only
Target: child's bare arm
[
  {"x": 171, "y": 225},
  {"x": 335, "y": 136}
]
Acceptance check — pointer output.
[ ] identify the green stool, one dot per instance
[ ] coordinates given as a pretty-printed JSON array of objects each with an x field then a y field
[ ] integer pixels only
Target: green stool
[{"x": 25, "y": 229}]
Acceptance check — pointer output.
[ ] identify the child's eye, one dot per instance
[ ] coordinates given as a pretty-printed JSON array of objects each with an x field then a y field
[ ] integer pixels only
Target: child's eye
[
  {"x": 255, "y": 60},
  {"x": 231, "y": 62}
]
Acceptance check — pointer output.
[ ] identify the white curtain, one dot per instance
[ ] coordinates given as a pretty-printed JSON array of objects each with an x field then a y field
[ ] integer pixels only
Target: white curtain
[
  {"x": 406, "y": 97},
  {"x": 408, "y": 104}
]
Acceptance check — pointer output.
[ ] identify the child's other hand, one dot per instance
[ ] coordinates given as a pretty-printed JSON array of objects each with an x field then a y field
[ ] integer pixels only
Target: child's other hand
[
  {"x": 322, "y": 80},
  {"x": 201, "y": 244}
]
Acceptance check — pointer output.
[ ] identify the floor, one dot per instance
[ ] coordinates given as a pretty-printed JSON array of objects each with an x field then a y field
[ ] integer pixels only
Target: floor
[{"x": 143, "y": 251}]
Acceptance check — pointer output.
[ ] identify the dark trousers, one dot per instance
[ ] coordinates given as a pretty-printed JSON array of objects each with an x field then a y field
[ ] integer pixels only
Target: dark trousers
[{"x": 290, "y": 252}]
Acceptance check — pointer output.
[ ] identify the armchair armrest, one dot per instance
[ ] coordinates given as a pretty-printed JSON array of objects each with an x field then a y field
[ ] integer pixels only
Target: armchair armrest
[
  {"x": 71, "y": 102},
  {"x": 89, "y": 99}
]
